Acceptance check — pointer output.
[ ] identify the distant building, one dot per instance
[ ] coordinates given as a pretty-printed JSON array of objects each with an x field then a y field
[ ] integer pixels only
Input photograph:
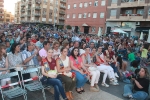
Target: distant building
[
  {"x": 41, "y": 11},
  {"x": 86, "y": 16},
  {"x": 17, "y": 12},
  {"x": 1, "y": 11},
  {"x": 131, "y": 16},
  {"x": 8, "y": 17}
]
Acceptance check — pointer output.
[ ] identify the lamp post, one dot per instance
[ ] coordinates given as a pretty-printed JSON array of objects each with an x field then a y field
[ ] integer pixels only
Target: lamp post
[{"x": 54, "y": 15}]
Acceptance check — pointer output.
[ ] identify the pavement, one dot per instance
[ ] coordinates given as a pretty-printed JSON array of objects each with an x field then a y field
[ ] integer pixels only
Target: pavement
[{"x": 110, "y": 93}]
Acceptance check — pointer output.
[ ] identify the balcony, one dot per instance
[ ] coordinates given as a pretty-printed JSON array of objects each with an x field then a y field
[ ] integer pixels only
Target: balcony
[
  {"x": 60, "y": 23},
  {"x": 62, "y": 12},
  {"x": 37, "y": 8},
  {"x": 63, "y": 7},
  {"x": 22, "y": 5},
  {"x": 63, "y": 1},
  {"x": 23, "y": 15},
  {"x": 129, "y": 4},
  {"x": 61, "y": 18},
  {"x": 28, "y": 9},
  {"x": 29, "y": 2},
  {"x": 127, "y": 17},
  {"x": 36, "y": 21},
  {"x": 22, "y": 10},
  {"x": 37, "y": 15},
  {"x": 28, "y": 15}
]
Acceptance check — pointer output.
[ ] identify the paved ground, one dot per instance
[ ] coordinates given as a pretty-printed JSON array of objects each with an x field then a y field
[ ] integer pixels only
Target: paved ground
[{"x": 111, "y": 93}]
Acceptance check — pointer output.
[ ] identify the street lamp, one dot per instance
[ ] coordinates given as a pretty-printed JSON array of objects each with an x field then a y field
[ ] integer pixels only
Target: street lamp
[{"x": 54, "y": 14}]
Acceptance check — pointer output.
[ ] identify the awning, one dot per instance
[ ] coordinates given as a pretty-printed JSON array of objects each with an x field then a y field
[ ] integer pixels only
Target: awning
[
  {"x": 85, "y": 24},
  {"x": 142, "y": 29}
]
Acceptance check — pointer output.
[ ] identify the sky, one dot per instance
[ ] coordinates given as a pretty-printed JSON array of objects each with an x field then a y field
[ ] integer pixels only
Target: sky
[{"x": 9, "y": 5}]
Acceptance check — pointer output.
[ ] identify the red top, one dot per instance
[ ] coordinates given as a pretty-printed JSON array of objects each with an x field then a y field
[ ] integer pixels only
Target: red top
[
  {"x": 77, "y": 63},
  {"x": 52, "y": 64},
  {"x": 111, "y": 54},
  {"x": 34, "y": 40}
]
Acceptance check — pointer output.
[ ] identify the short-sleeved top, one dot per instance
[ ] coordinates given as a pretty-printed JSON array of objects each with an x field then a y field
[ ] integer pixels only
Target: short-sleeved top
[
  {"x": 144, "y": 83},
  {"x": 66, "y": 62},
  {"x": 111, "y": 54},
  {"x": 51, "y": 64},
  {"x": 14, "y": 59},
  {"x": 43, "y": 53},
  {"x": 144, "y": 53},
  {"x": 2, "y": 63},
  {"x": 76, "y": 62}
]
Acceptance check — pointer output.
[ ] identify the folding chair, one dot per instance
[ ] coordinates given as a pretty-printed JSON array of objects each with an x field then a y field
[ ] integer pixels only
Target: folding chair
[
  {"x": 14, "y": 92},
  {"x": 34, "y": 85}
]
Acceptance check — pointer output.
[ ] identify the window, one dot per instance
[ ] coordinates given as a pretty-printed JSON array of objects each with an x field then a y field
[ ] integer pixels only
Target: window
[
  {"x": 85, "y": 5},
  {"x": 75, "y": 5},
  {"x": 84, "y": 15},
  {"x": 68, "y": 16},
  {"x": 149, "y": 12},
  {"x": 113, "y": 12},
  {"x": 80, "y": 16},
  {"x": 80, "y": 5},
  {"x": 140, "y": 11},
  {"x": 96, "y": 3},
  {"x": 128, "y": 12},
  {"x": 114, "y": 1},
  {"x": 94, "y": 15},
  {"x": 90, "y": 3},
  {"x": 103, "y": 3},
  {"x": 102, "y": 15},
  {"x": 93, "y": 29},
  {"x": 74, "y": 15},
  {"x": 68, "y": 6},
  {"x": 89, "y": 15}
]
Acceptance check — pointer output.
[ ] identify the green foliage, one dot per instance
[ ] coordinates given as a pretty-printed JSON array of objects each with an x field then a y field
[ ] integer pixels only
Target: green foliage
[
  {"x": 68, "y": 27},
  {"x": 60, "y": 27}
]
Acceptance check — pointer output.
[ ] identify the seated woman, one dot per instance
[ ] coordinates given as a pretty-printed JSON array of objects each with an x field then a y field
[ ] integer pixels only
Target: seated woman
[
  {"x": 105, "y": 68},
  {"x": 64, "y": 71},
  {"x": 140, "y": 87},
  {"x": 77, "y": 66},
  {"x": 3, "y": 65},
  {"x": 91, "y": 67},
  {"x": 51, "y": 76}
]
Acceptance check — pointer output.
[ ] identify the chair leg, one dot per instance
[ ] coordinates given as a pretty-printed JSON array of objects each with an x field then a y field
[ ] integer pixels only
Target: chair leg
[
  {"x": 25, "y": 97},
  {"x": 43, "y": 94}
]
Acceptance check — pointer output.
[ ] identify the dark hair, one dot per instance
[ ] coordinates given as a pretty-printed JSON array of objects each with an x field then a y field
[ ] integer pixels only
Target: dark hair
[
  {"x": 42, "y": 37},
  {"x": 72, "y": 52},
  {"x": 13, "y": 47},
  {"x": 45, "y": 43},
  {"x": 134, "y": 64},
  {"x": 91, "y": 42},
  {"x": 2, "y": 46},
  {"x": 146, "y": 46},
  {"x": 119, "y": 59},
  {"x": 61, "y": 50}
]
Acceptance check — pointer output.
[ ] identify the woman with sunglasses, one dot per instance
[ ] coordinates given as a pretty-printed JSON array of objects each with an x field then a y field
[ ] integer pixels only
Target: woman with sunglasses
[
  {"x": 140, "y": 87},
  {"x": 77, "y": 66},
  {"x": 64, "y": 71}
]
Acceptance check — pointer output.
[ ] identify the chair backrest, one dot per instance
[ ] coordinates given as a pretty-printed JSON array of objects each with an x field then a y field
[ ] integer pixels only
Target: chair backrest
[
  {"x": 30, "y": 70},
  {"x": 8, "y": 75}
]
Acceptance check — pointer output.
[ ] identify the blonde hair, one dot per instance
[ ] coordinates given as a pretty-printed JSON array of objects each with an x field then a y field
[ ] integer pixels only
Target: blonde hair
[{"x": 56, "y": 42}]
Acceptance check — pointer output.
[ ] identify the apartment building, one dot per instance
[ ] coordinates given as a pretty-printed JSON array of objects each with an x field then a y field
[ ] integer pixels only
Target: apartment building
[
  {"x": 86, "y": 16},
  {"x": 17, "y": 12},
  {"x": 43, "y": 11},
  {"x": 1, "y": 11},
  {"x": 131, "y": 16},
  {"x": 8, "y": 17}
]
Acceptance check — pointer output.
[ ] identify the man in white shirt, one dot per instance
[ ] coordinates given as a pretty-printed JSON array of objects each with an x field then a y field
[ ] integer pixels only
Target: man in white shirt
[{"x": 43, "y": 51}]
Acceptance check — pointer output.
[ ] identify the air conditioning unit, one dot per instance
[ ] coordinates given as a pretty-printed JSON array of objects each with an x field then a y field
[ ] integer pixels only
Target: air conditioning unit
[{"x": 137, "y": 23}]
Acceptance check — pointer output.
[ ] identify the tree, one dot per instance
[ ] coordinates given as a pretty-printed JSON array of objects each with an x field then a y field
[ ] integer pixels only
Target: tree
[
  {"x": 60, "y": 27},
  {"x": 68, "y": 27}
]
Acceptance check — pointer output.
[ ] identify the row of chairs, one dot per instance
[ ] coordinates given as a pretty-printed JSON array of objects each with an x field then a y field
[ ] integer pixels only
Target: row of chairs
[{"x": 19, "y": 87}]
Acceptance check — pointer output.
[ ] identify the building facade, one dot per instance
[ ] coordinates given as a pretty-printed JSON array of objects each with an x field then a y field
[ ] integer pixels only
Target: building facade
[
  {"x": 1, "y": 11},
  {"x": 86, "y": 16},
  {"x": 17, "y": 12},
  {"x": 43, "y": 11},
  {"x": 131, "y": 16},
  {"x": 8, "y": 17}
]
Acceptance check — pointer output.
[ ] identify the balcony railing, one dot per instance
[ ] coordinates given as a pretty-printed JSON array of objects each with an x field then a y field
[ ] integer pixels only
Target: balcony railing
[
  {"x": 61, "y": 18},
  {"x": 37, "y": 7},
  {"x": 28, "y": 8},
  {"x": 64, "y": 7},
  {"x": 28, "y": 15},
  {"x": 22, "y": 5},
  {"x": 37, "y": 14},
  {"x": 62, "y": 12},
  {"x": 64, "y": 1}
]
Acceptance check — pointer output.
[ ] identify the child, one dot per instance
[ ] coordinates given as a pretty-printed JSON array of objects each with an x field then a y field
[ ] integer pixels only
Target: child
[
  {"x": 134, "y": 65},
  {"x": 131, "y": 56}
]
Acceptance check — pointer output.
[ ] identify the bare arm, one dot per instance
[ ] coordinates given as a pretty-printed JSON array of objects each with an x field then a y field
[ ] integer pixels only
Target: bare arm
[
  {"x": 138, "y": 84},
  {"x": 74, "y": 68},
  {"x": 84, "y": 64},
  {"x": 58, "y": 67}
]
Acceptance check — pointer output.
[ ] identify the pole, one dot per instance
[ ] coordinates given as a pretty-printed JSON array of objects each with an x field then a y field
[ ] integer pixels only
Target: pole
[{"x": 54, "y": 14}]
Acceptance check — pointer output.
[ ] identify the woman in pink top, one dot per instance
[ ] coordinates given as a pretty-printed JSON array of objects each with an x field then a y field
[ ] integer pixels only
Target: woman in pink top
[{"x": 79, "y": 69}]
